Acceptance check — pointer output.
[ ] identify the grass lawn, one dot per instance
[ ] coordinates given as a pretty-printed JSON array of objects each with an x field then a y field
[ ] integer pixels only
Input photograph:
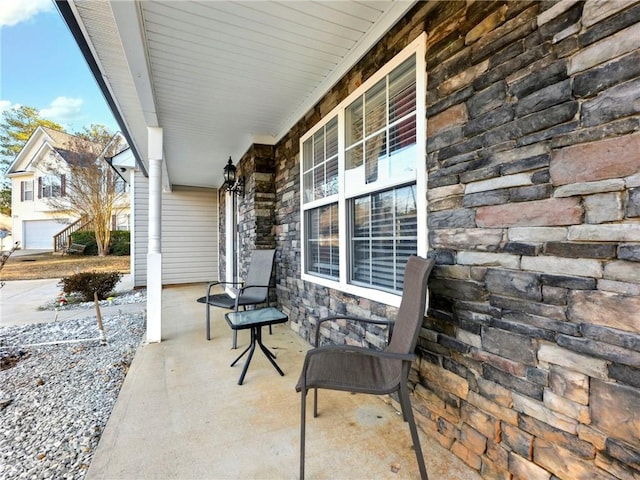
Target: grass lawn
[{"x": 47, "y": 265}]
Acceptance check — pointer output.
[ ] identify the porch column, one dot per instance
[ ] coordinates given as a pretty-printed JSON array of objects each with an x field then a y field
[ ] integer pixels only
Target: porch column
[{"x": 154, "y": 251}]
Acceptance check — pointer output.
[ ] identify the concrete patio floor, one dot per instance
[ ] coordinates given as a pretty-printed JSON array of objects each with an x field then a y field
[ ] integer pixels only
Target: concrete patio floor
[{"x": 182, "y": 415}]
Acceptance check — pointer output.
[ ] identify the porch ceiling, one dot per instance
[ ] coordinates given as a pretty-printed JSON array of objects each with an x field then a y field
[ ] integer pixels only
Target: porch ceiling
[{"x": 219, "y": 76}]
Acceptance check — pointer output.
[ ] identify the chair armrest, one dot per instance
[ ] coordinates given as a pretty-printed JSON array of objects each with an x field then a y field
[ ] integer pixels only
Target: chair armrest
[
  {"x": 389, "y": 323},
  {"x": 211, "y": 284},
  {"x": 255, "y": 286}
]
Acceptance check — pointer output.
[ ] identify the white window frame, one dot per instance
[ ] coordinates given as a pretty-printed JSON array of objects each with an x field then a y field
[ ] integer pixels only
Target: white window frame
[
  {"x": 25, "y": 188},
  {"x": 51, "y": 186},
  {"x": 417, "y": 48}
]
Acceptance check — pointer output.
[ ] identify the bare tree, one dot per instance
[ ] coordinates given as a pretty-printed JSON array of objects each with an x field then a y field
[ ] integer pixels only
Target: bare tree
[{"x": 92, "y": 188}]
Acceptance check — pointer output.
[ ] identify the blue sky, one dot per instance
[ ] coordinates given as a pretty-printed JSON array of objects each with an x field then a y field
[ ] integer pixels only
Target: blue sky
[{"x": 42, "y": 67}]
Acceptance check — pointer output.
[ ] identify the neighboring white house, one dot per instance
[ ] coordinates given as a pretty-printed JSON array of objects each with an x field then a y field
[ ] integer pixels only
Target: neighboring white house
[{"x": 39, "y": 174}]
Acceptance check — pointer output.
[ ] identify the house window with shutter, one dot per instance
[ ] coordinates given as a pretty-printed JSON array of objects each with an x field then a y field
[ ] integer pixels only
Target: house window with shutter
[
  {"x": 363, "y": 192},
  {"x": 26, "y": 191},
  {"x": 51, "y": 186}
]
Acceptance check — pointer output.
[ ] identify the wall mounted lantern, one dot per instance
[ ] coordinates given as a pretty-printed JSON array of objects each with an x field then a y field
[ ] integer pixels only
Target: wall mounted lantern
[{"x": 231, "y": 183}]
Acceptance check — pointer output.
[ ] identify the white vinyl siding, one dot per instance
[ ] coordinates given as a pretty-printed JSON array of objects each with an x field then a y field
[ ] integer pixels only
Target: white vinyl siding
[
  {"x": 140, "y": 230},
  {"x": 189, "y": 235}
]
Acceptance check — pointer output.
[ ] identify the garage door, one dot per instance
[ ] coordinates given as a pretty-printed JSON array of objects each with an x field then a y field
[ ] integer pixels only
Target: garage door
[{"x": 39, "y": 233}]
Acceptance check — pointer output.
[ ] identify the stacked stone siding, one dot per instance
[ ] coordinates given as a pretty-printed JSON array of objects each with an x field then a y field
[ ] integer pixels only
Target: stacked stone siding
[
  {"x": 529, "y": 358},
  {"x": 256, "y": 209}
]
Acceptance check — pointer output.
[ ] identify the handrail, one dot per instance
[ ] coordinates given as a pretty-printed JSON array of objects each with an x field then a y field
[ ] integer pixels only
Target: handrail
[{"x": 62, "y": 239}]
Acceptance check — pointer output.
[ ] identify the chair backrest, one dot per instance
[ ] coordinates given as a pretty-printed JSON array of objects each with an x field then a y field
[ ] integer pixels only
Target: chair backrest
[
  {"x": 259, "y": 273},
  {"x": 411, "y": 311}
]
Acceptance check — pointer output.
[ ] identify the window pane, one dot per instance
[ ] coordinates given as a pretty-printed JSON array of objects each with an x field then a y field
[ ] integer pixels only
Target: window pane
[
  {"x": 362, "y": 217},
  {"x": 375, "y": 148},
  {"x": 402, "y": 90},
  {"x": 405, "y": 248},
  {"x": 332, "y": 176},
  {"x": 353, "y": 157},
  {"x": 383, "y": 236},
  {"x": 382, "y": 264},
  {"x": 322, "y": 252},
  {"x": 402, "y": 135},
  {"x": 361, "y": 270},
  {"x": 382, "y": 206},
  {"x": 332, "y": 138},
  {"x": 318, "y": 147},
  {"x": 375, "y": 107},
  {"x": 307, "y": 155},
  {"x": 308, "y": 186},
  {"x": 406, "y": 212},
  {"x": 353, "y": 122},
  {"x": 318, "y": 181}
]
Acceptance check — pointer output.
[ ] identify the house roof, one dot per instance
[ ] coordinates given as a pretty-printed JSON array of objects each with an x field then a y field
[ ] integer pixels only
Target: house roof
[
  {"x": 219, "y": 76},
  {"x": 65, "y": 144}
]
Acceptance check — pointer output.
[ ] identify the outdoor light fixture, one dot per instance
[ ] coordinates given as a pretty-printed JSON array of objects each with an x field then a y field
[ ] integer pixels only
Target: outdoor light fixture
[{"x": 231, "y": 183}]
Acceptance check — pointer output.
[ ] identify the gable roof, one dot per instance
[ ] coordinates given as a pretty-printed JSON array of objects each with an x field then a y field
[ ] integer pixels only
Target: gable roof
[{"x": 64, "y": 144}]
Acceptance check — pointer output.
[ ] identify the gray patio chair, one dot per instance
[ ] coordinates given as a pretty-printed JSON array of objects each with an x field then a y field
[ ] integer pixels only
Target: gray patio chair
[
  {"x": 364, "y": 370},
  {"x": 253, "y": 291}
]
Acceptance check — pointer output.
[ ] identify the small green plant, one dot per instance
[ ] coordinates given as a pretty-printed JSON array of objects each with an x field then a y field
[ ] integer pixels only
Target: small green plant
[{"x": 86, "y": 283}]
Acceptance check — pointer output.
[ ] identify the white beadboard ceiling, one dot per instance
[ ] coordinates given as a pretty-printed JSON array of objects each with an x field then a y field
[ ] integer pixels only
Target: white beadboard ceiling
[{"x": 218, "y": 76}]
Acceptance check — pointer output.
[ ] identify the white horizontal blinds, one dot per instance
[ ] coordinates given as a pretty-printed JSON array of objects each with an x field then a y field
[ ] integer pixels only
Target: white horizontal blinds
[
  {"x": 320, "y": 163},
  {"x": 402, "y": 118},
  {"x": 384, "y": 235},
  {"x": 380, "y": 129},
  {"x": 322, "y": 247}
]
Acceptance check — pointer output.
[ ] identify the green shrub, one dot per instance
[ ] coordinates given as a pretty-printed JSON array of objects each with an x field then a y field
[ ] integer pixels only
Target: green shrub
[
  {"x": 86, "y": 283},
  {"x": 88, "y": 238},
  {"x": 120, "y": 242}
]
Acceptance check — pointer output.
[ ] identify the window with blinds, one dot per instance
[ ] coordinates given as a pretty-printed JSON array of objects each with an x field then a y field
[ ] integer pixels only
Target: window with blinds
[
  {"x": 384, "y": 234},
  {"x": 360, "y": 190},
  {"x": 322, "y": 243}
]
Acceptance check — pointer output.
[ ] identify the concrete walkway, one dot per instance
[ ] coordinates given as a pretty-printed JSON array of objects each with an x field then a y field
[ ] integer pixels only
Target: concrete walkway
[
  {"x": 20, "y": 300},
  {"x": 182, "y": 415}
]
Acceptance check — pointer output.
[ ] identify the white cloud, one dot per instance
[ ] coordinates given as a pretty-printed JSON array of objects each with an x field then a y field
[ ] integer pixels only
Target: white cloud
[
  {"x": 13, "y": 12},
  {"x": 64, "y": 110},
  {"x": 7, "y": 105}
]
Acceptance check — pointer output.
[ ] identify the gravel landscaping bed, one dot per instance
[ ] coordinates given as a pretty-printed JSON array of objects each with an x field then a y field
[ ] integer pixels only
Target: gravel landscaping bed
[
  {"x": 139, "y": 296},
  {"x": 58, "y": 385}
]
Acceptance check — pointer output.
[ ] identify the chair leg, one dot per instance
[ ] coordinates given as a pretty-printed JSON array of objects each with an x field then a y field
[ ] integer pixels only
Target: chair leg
[
  {"x": 208, "y": 323},
  {"x": 315, "y": 402},
  {"x": 303, "y": 408},
  {"x": 234, "y": 343},
  {"x": 405, "y": 402}
]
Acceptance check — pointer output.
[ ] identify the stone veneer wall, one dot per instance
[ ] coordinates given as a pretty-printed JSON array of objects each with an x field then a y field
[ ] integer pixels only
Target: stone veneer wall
[
  {"x": 529, "y": 359},
  {"x": 256, "y": 210}
]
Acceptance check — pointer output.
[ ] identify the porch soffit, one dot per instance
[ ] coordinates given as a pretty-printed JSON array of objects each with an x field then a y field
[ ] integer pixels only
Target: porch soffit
[{"x": 217, "y": 76}]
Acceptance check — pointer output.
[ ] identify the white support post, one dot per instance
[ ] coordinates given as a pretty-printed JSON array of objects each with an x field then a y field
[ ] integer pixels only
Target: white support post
[{"x": 154, "y": 252}]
